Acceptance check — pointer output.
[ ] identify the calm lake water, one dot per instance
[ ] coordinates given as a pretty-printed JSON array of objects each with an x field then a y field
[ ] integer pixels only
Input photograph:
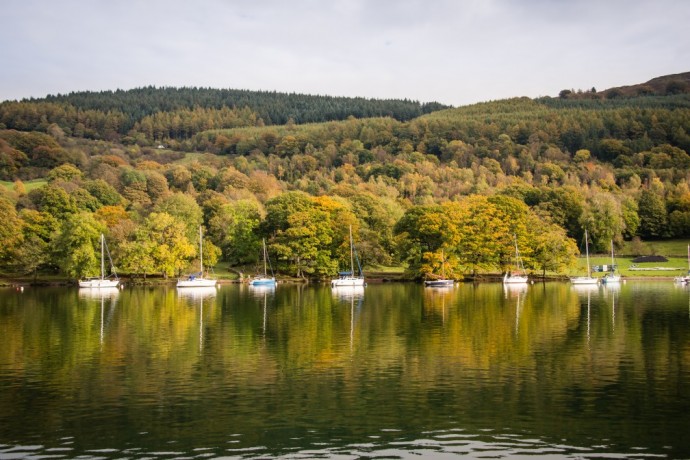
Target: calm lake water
[{"x": 389, "y": 371}]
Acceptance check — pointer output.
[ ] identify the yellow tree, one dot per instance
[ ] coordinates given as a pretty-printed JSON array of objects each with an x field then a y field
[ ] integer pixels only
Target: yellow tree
[
  {"x": 482, "y": 233},
  {"x": 165, "y": 240}
]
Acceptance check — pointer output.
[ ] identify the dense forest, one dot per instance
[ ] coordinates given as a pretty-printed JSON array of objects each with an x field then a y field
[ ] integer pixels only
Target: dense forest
[
  {"x": 174, "y": 114},
  {"x": 147, "y": 167}
]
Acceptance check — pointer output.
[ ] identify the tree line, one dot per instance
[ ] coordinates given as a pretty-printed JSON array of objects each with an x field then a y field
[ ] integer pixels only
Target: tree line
[
  {"x": 148, "y": 115},
  {"x": 619, "y": 171}
]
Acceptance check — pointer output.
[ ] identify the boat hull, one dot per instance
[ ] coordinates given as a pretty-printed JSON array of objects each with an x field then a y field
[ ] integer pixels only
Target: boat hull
[
  {"x": 584, "y": 280},
  {"x": 98, "y": 284},
  {"x": 196, "y": 282},
  {"x": 263, "y": 282},
  {"x": 515, "y": 279},
  {"x": 347, "y": 281},
  {"x": 439, "y": 283},
  {"x": 611, "y": 279}
]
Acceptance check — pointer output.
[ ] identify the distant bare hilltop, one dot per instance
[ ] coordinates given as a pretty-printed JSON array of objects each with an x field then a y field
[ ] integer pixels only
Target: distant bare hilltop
[{"x": 660, "y": 86}]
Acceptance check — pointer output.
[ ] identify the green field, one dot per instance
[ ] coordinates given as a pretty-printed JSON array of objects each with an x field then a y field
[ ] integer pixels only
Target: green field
[
  {"x": 674, "y": 250},
  {"x": 28, "y": 185}
]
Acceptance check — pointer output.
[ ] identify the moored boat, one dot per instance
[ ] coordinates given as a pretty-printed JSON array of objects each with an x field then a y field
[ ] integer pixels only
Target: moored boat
[
  {"x": 589, "y": 279},
  {"x": 520, "y": 277},
  {"x": 197, "y": 279},
  {"x": 264, "y": 280},
  {"x": 102, "y": 281},
  {"x": 348, "y": 278}
]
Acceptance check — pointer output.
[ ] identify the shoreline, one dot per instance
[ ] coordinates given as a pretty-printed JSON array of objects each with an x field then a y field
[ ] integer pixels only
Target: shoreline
[{"x": 23, "y": 282}]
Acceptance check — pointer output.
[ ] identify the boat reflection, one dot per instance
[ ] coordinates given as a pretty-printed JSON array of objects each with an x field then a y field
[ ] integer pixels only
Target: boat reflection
[
  {"x": 585, "y": 288},
  {"x": 435, "y": 299},
  {"x": 259, "y": 290},
  {"x": 196, "y": 293},
  {"x": 517, "y": 292},
  {"x": 348, "y": 292},
  {"x": 514, "y": 290},
  {"x": 99, "y": 293}
]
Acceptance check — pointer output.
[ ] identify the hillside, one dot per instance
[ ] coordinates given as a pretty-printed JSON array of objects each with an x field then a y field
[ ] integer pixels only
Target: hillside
[
  {"x": 460, "y": 180},
  {"x": 659, "y": 86},
  {"x": 192, "y": 108}
]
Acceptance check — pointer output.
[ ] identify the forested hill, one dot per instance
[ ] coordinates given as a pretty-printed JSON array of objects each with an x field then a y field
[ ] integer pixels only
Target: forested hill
[
  {"x": 463, "y": 182},
  {"x": 270, "y": 107}
]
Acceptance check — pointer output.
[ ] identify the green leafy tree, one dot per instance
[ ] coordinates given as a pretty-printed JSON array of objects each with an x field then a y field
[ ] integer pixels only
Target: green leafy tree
[
  {"x": 136, "y": 255},
  {"x": 134, "y": 187},
  {"x": 105, "y": 193},
  {"x": 603, "y": 217},
  {"x": 279, "y": 209},
  {"x": 10, "y": 231},
  {"x": 76, "y": 243},
  {"x": 552, "y": 250},
  {"x": 564, "y": 206},
  {"x": 66, "y": 172},
  {"x": 238, "y": 225},
  {"x": 167, "y": 243},
  {"x": 185, "y": 209},
  {"x": 653, "y": 215},
  {"x": 34, "y": 252},
  {"x": 631, "y": 218},
  {"x": 53, "y": 200},
  {"x": 304, "y": 243},
  {"x": 421, "y": 230}
]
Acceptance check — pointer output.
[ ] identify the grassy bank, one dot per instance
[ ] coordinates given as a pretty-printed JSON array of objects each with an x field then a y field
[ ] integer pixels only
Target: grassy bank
[{"x": 674, "y": 250}]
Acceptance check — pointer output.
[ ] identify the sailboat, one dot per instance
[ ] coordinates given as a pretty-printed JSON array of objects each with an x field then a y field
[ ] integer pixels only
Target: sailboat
[
  {"x": 612, "y": 277},
  {"x": 349, "y": 278},
  {"x": 197, "y": 279},
  {"x": 589, "y": 279},
  {"x": 684, "y": 278},
  {"x": 264, "y": 280},
  {"x": 441, "y": 282},
  {"x": 102, "y": 281},
  {"x": 510, "y": 278}
]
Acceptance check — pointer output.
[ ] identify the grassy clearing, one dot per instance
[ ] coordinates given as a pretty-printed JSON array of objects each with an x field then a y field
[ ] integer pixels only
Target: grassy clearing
[
  {"x": 674, "y": 248},
  {"x": 29, "y": 185}
]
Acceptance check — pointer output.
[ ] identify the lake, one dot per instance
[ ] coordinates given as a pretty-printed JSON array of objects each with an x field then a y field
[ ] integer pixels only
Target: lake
[{"x": 387, "y": 371}]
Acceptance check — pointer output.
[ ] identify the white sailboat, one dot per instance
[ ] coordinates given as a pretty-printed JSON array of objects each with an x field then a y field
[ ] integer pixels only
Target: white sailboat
[
  {"x": 197, "y": 279},
  {"x": 264, "y": 280},
  {"x": 441, "y": 282},
  {"x": 349, "y": 278},
  {"x": 102, "y": 281},
  {"x": 612, "y": 277},
  {"x": 589, "y": 279},
  {"x": 520, "y": 278},
  {"x": 684, "y": 278}
]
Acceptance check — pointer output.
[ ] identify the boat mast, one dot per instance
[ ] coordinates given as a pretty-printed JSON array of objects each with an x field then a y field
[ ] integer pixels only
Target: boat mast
[
  {"x": 264, "y": 244},
  {"x": 201, "y": 254},
  {"x": 443, "y": 265},
  {"x": 517, "y": 255},
  {"x": 589, "y": 273},
  {"x": 352, "y": 257},
  {"x": 102, "y": 267}
]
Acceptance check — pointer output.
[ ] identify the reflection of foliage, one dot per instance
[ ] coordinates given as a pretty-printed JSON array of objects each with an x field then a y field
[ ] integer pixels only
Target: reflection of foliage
[{"x": 304, "y": 356}]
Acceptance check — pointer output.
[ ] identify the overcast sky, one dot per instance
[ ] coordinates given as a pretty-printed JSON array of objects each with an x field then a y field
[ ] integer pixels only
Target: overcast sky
[{"x": 455, "y": 52}]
